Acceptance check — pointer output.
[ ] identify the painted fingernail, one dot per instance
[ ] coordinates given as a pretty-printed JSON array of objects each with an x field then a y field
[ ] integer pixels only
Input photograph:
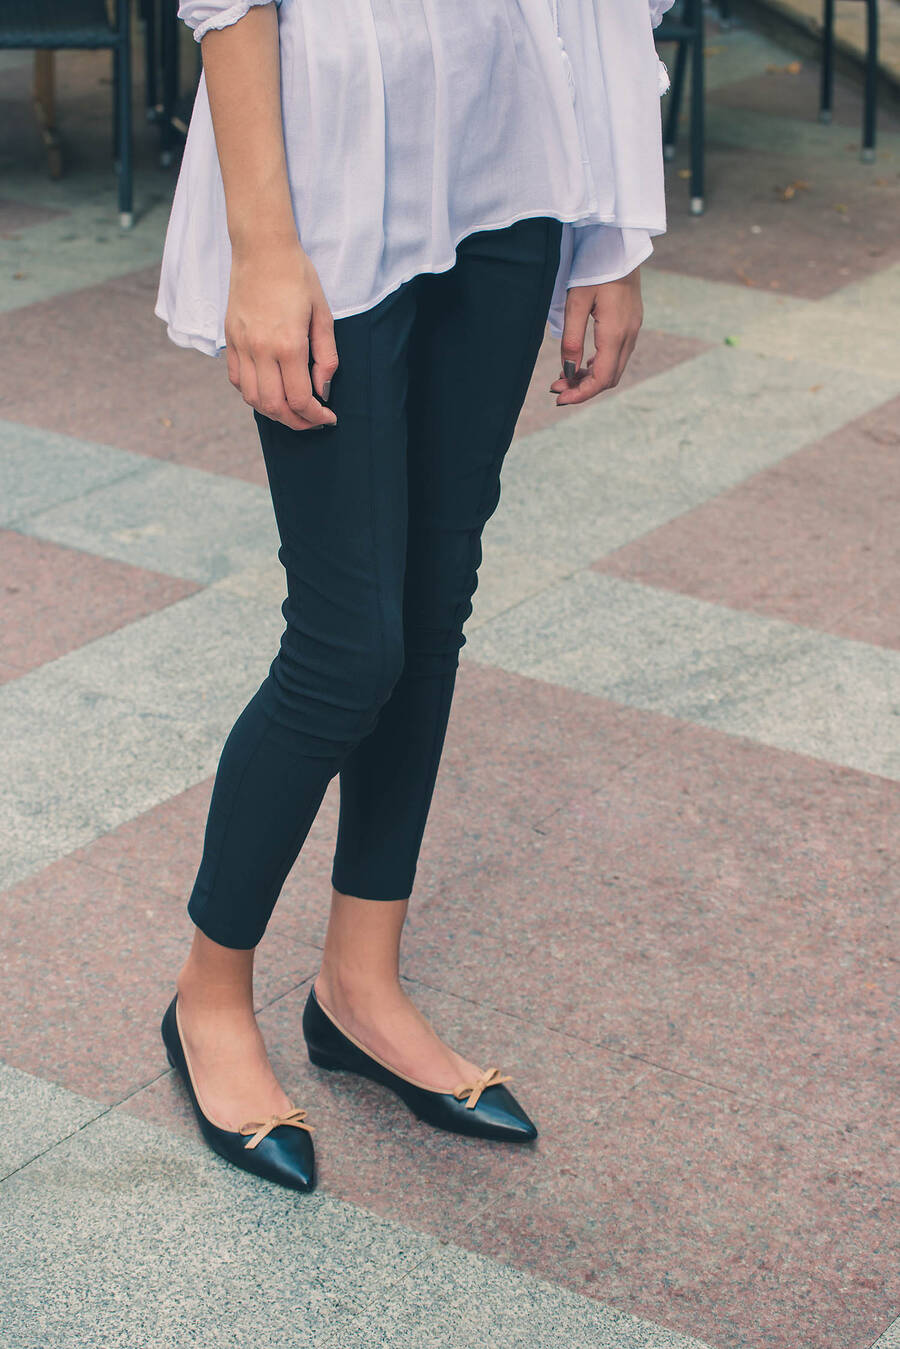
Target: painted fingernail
[
  {"x": 569, "y": 369},
  {"x": 326, "y": 390}
]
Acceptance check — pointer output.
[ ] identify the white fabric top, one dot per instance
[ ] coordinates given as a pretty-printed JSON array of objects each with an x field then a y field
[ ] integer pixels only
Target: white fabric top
[{"x": 411, "y": 123}]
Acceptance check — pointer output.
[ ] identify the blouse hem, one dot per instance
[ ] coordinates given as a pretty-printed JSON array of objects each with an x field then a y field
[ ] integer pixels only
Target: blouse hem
[{"x": 209, "y": 345}]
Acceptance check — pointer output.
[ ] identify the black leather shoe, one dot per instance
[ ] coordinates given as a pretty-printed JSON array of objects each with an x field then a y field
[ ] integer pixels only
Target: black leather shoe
[
  {"x": 278, "y": 1148},
  {"x": 482, "y": 1109}
]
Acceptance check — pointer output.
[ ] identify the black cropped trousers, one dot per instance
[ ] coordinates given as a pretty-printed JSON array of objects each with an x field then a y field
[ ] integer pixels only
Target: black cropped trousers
[{"x": 380, "y": 519}]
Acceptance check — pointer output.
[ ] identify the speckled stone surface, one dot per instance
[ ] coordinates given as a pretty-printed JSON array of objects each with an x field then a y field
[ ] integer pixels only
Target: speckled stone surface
[
  {"x": 38, "y": 1115},
  {"x": 39, "y": 469},
  {"x": 55, "y": 599},
  {"x": 103, "y": 1247},
  {"x": 809, "y": 540},
  {"x": 150, "y": 520},
  {"x": 90, "y": 967},
  {"x": 746, "y": 674},
  {"x": 660, "y": 874}
]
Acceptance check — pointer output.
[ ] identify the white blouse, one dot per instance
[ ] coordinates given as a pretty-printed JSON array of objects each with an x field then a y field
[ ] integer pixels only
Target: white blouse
[{"x": 409, "y": 124}]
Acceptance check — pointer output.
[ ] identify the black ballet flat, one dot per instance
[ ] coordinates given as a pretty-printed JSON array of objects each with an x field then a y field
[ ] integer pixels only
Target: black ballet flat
[
  {"x": 278, "y": 1148},
  {"x": 481, "y": 1109}
]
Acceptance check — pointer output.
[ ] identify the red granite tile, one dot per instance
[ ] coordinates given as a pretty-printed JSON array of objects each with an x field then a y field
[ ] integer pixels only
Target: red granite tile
[
  {"x": 841, "y": 228},
  {"x": 56, "y": 598},
  {"x": 516, "y": 750},
  {"x": 367, "y": 1141},
  {"x": 112, "y": 375},
  {"x": 164, "y": 846},
  {"x": 705, "y": 1214},
  {"x": 813, "y": 540},
  {"x": 90, "y": 962},
  {"x": 647, "y": 1190},
  {"x": 654, "y": 353},
  {"x": 717, "y": 907},
  {"x": 20, "y": 215}
]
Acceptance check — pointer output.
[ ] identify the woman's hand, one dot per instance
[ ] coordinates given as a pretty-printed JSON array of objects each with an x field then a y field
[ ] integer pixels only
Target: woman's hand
[
  {"x": 277, "y": 315},
  {"x": 617, "y": 312},
  {"x": 277, "y": 312}
]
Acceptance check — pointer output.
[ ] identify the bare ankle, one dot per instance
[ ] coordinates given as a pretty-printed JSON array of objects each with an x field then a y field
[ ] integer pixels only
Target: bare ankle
[{"x": 339, "y": 986}]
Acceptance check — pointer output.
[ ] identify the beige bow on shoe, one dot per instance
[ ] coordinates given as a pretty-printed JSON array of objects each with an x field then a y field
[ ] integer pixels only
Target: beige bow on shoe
[
  {"x": 490, "y": 1078},
  {"x": 259, "y": 1128}
]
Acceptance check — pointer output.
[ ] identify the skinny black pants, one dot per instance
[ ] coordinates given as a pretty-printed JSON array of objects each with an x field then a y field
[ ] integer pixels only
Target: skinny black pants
[{"x": 380, "y": 520}]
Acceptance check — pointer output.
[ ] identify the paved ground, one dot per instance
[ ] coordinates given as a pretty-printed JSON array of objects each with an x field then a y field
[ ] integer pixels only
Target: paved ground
[{"x": 662, "y": 863}]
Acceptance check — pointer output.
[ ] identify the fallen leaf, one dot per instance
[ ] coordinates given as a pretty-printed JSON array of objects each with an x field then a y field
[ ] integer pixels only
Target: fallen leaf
[
  {"x": 814, "y": 388},
  {"x": 840, "y": 208},
  {"x": 732, "y": 341},
  {"x": 166, "y": 421},
  {"x": 742, "y": 276},
  {"x": 684, "y": 173}
]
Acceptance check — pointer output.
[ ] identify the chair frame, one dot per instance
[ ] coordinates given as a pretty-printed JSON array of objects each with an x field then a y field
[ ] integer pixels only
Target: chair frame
[
  {"x": 118, "y": 40},
  {"x": 688, "y": 33}
]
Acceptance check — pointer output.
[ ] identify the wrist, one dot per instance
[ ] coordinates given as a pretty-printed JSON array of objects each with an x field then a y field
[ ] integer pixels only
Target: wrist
[{"x": 251, "y": 238}]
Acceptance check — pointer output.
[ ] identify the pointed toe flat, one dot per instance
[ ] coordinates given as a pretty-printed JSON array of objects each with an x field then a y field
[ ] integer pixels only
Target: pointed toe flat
[
  {"x": 484, "y": 1108},
  {"x": 277, "y": 1148}
]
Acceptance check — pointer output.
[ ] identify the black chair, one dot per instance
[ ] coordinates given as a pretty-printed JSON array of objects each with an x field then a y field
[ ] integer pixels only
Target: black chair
[
  {"x": 684, "y": 27},
  {"x": 168, "y": 104},
  {"x": 870, "y": 94},
  {"x": 83, "y": 24}
]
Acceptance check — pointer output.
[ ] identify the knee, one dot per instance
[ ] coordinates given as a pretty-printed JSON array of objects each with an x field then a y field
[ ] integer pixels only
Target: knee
[
  {"x": 334, "y": 685},
  {"x": 379, "y": 665}
]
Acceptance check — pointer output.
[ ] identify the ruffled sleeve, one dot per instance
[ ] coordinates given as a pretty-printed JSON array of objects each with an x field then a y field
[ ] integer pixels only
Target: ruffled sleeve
[
  {"x": 658, "y": 9},
  {"x": 591, "y": 255},
  {"x": 204, "y": 15}
]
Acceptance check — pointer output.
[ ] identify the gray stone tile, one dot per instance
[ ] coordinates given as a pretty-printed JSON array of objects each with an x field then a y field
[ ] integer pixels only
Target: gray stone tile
[
  {"x": 38, "y": 1115},
  {"x": 40, "y": 469},
  {"x": 126, "y": 1235},
  {"x": 855, "y": 328},
  {"x": 746, "y": 129},
  {"x": 890, "y": 1339},
  {"x": 86, "y": 245},
  {"x": 506, "y": 577},
  {"x": 123, "y": 1234},
  {"x": 75, "y": 762},
  {"x": 620, "y": 468},
  {"x": 199, "y": 660},
  {"x": 739, "y": 54},
  {"x": 710, "y": 310},
  {"x": 172, "y": 519},
  {"x": 777, "y": 683},
  {"x": 457, "y": 1299}
]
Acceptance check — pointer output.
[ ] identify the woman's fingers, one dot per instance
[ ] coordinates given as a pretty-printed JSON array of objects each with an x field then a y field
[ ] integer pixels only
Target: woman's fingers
[
  {"x": 617, "y": 314},
  {"x": 324, "y": 351},
  {"x": 301, "y": 401},
  {"x": 276, "y": 313},
  {"x": 279, "y": 387},
  {"x": 578, "y": 307}
]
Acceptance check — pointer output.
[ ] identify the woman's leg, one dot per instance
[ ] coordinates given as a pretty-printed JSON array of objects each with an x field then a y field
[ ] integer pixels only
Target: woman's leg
[
  {"x": 477, "y": 333},
  {"x": 340, "y": 498}
]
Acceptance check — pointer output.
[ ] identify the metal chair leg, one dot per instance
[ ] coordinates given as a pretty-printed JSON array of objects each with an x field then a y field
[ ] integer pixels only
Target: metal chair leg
[
  {"x": 870, "y": 105},
  {"x": 148, "y": 15},
  {"x": 170, "y": 83},
  {"x": 698, "y": 135},
  {"x": 826, "y": 87},
  {"x": 123, "y": 121},
  {"x": 675, "y": 94}
]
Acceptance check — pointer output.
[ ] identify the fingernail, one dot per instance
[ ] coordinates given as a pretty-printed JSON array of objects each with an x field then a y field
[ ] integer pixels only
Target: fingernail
[
  {"x": 569, "y": 369},
  {"x": 326, "y": 390}
]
